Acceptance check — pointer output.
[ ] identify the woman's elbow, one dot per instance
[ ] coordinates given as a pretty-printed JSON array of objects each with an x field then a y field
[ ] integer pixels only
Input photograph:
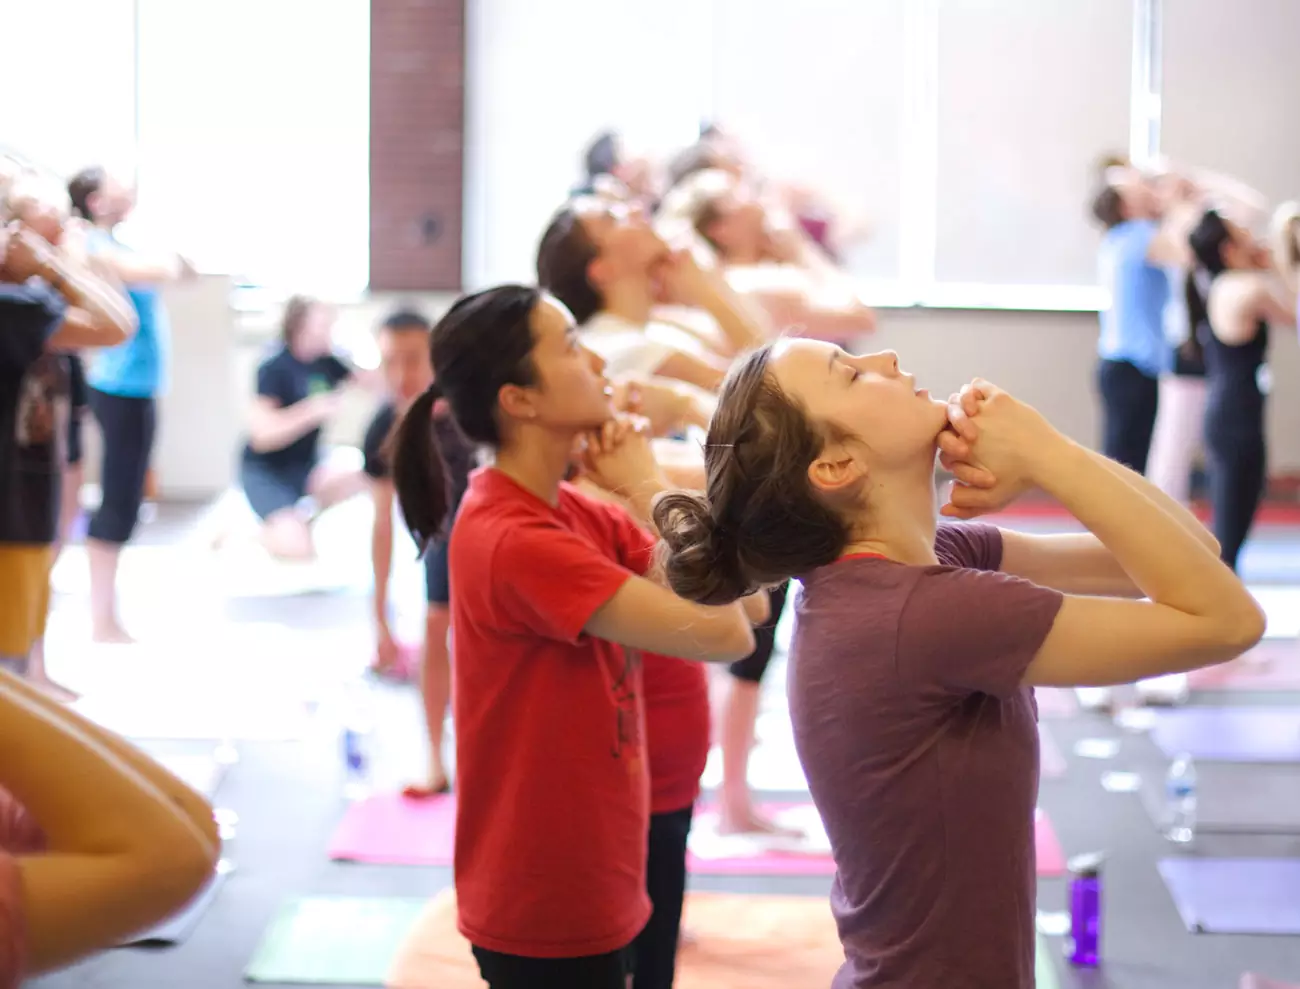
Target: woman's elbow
[
  {"x": 1247, "y": 625},
  {"x": 739, "y": 642}
]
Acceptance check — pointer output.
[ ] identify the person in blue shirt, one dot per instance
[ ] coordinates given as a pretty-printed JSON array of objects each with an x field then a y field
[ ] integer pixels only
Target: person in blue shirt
[
  {"x": 124, "y": 385},
  {"x": 1144, "y": 235}
]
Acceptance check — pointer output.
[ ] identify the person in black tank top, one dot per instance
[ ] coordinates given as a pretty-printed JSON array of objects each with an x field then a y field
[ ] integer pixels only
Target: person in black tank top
[{"x": 1234, "y": 413}]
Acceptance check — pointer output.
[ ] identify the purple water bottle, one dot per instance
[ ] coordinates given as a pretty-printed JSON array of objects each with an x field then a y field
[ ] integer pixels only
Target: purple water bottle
[{"x": 1084, "y": 946}]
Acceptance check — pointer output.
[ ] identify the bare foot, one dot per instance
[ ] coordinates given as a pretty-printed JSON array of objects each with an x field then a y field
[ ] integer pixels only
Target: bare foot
[
  {"x": 56, "y": 690},
  {"x": 436, "y": 787},
  {"x": 111, "y": 634},
  {"x": 751, "y": 822}
]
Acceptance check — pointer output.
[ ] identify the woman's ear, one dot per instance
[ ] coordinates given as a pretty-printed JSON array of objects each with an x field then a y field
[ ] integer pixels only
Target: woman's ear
[
  {"x": 836, "y": 469},
  {"x": 517, "y": 402}
]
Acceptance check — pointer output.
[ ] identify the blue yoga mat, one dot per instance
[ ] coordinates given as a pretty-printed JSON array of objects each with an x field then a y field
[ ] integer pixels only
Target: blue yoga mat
[
  {"x": 1268, "y": 559},
  {"x": 1235, "y": 896},
  {"x": 1229, "y": 734}
]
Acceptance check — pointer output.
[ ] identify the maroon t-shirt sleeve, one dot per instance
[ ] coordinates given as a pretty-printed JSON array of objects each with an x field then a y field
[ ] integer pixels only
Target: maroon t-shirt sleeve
[
  {"x": 974, "y": 545},
  {"x": 973, "y": 631},
  {"x": 552, "y": 581}
]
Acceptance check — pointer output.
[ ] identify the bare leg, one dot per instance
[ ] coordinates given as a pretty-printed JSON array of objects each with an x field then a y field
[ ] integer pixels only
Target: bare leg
[
  {"x": 287, "y": 536},
  {"x": 38, "y": 678},
  {"x": 435, "y": 688},
  {"x": 739, "y": 716},
  {"x": 335, "y": 480},
  {"x": 69, "y": 504},
  {"x": 106, "y": 625}
]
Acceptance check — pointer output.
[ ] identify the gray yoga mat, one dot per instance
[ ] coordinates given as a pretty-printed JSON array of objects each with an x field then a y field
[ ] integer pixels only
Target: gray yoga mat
[{"x": 1235, "y": 798}]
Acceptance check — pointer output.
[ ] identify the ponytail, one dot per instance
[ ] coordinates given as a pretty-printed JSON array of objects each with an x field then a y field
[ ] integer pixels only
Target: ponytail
[
  {"x": 1198, "y": 316},
  {"x": 419, "y": 474}
]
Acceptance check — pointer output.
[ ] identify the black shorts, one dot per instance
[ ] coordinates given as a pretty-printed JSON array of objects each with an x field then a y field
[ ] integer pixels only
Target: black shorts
[
  {"x": 501, "y": 971},
  {"x": 437, "y": 574},
  {"x": 437, "y": 579},
  {"x": 270, "y": 488},
  {"x": 78, "y": 400},
  {"x": 753, "y": 666}
]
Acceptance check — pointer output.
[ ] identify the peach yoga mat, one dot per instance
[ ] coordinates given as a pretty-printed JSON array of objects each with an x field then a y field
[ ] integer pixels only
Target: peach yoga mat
[{"x": 740, "y": 942}]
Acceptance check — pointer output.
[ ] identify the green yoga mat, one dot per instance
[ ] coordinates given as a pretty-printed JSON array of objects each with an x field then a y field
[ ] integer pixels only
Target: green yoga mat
[
  {"x": 1045, "y": 967},
  {"x": 333, "y": 940}
]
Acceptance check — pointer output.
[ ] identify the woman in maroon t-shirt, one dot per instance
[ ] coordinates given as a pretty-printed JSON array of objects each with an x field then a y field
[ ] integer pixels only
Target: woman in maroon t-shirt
[{"x": 917, "y": 645}]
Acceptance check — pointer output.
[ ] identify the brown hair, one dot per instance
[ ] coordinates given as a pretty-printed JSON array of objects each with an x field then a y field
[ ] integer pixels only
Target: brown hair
[
  {"x": 1108, "y": 207},
  {"x": 563, "y": 259},
  {"x": 296, "y": 311},
  {"x": 694, "y": 203},
  {"x": 760, "y": 521}
]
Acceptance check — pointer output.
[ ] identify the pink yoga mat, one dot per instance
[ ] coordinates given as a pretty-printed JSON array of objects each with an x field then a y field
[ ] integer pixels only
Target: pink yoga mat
[
  {"x": 1272, "y": 665},
  {"x": 392, "y": 830},
  {"x": 777, "y": 862},
  {"x": 1056, "y": 702}
]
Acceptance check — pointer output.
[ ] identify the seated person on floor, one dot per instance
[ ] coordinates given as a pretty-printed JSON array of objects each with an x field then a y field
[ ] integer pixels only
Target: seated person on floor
[{"x": 284, "y": 476}]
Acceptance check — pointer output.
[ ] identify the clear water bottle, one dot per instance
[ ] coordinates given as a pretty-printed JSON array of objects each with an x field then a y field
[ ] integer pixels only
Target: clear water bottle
[
  {"x": 356, "y": 732},
  {"x": 1180, "y": 801}
]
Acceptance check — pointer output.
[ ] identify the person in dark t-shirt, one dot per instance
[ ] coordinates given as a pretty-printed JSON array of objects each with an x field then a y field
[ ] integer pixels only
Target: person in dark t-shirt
[
  {"x": 408, "y": 370},
  {"x": 284, "y": 477}
]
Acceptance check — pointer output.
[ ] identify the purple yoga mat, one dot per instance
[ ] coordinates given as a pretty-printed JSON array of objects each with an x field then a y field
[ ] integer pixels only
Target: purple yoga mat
[
  {"x": 1230, "y": 734},
  {"x": 1235, "y": 896}
]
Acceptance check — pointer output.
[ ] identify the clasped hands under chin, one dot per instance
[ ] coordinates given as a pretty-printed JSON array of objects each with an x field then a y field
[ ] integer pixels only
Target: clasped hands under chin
[{"x": 975, "y": 491}]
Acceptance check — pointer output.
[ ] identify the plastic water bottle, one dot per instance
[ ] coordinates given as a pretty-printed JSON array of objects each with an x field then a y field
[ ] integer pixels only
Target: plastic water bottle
[
  {"x": 1083, "y": 947},
  {"x": 1180, "y": 801},
  {"x": 355, "y": 733}
]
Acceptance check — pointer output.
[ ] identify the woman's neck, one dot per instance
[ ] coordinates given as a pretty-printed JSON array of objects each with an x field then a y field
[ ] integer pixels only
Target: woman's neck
[
  {"x": 630, "y": 300},
  {"x": 900, "y": 522},
  {"x": 537, "y": 459}
]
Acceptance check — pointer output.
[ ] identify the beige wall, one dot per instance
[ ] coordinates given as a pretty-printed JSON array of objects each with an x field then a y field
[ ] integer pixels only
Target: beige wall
[{"x": 1045, "y": 358}]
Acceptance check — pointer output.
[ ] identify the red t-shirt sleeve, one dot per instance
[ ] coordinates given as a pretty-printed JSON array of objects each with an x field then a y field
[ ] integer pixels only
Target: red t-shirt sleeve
[
  {"x": 553, "y": 580},
  {"x": 636, "y": 546},
  {"x": 974, "y": 631}
]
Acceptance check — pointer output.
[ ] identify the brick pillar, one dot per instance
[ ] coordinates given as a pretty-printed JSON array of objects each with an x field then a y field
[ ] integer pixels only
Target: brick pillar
[{"x": 417, "y": 128}]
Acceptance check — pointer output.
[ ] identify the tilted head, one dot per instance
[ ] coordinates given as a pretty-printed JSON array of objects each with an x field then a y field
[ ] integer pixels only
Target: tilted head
[
  {"x": 100, "y": 197},
  {"x": 592, "y": 244},
  {"x": 307, "y": 327},
  {"x": 804, "y": 439},
  {"x": 722, "y": 210},
  {"x": 505, "y": 359}
]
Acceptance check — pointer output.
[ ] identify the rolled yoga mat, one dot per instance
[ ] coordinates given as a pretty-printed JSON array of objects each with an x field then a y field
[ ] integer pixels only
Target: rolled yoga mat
[
  {"x": 1229, "y": 734},
  {"x": 738, "y": 942},
  {"x": 1235, "y": 798},
  {"x": 393, "y": 830},
  {"x": 1235, "y": 896}
]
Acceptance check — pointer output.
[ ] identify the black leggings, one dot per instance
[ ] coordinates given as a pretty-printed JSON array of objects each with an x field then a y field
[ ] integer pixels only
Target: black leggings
[
  {"x": 127, "y": 427},
  {"x": 502, "y": 971},
  {"x": 655, "y": 949},
  {"x": 1234, "y": 444},
  {"x": 753, "y": 666},
  {"x": 1128, "y": 413}
]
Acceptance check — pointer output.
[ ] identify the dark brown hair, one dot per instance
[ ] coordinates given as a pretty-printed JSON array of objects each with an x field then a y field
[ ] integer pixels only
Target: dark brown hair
[
  {"x": 563, "y": 259},
  {"x": 760, "y": 521},
  {"x": 1108, "y": 207},
  {"x": 82, "y": 186},
  {"x": 483, "y": 343}
]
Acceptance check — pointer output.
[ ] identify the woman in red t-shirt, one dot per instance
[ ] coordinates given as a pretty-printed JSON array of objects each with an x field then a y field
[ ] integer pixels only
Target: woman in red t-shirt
[
  {"x": 552, "y": 787},
  {"x": 97, "y": 841}
]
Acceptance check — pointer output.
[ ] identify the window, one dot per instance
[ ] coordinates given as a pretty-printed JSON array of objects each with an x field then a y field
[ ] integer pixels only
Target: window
[{"x": 254, "y": 139}]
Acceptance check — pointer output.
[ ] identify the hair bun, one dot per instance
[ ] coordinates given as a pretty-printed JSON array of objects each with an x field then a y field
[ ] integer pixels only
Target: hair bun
[{"x": 701, "y": 564}]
